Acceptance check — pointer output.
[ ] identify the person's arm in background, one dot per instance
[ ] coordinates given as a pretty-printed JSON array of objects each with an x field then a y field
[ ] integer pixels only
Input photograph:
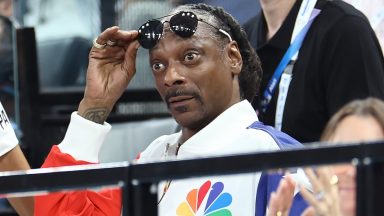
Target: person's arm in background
[
  {"x": 11, "y": 159},
  {"x": 15, "y": 160},
  {"x": 109, "y": 71}
]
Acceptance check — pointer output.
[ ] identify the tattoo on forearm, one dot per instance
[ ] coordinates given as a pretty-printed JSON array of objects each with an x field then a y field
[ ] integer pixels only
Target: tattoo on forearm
[{"x": 98, "y": 115}]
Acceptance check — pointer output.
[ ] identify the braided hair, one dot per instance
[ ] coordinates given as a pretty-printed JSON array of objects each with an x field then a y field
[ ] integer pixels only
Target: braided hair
[{"x": 251, "y": 72}]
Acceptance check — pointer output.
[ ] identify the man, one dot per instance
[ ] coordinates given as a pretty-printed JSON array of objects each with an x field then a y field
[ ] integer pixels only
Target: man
[
  {"x": 339, "y": 60},
  {"x": 205, "y": 71}
]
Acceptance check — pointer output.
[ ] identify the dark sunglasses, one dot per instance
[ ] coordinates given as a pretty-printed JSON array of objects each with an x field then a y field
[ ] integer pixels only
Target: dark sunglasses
[{"x": 184, "y": 24}]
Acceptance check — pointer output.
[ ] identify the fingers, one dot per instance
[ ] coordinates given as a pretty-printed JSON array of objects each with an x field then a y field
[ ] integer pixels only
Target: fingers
[
  {"x": 316, "y": 184},
  {"x": 125, "y": 37},
  {"x": 291, "y": 184},
  {"x": 325, "y": 174},
  {"x": 280, "y": 201},
  {"x": 314, "y": 200},
  {"x": 273, "y": 206},
  {"x": 116, "y": 47},
  {"x": 324, "y": 200},
  {"x": 129, "y": 64},
  {"x": 112, "y": 45},
  {"x": 318, "y": 206},
  {"x": 113, "y": 36},
  {"x": 101, "y": 41},
  {"x": 308, "y": 196},
  {"x": 285, "y": 193}
]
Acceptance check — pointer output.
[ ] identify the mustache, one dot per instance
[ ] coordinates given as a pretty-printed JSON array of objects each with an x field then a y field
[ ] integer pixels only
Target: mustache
[{"x": 174, "y": 92}]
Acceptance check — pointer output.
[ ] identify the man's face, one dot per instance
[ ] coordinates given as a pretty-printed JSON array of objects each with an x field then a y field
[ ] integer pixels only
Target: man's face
[{"x": 194, "y": 78}]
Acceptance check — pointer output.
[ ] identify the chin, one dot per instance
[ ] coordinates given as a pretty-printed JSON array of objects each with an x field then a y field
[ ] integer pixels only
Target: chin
[
  {"x": 190, "y": 121},
  {"x": 191, "y": 125},
  {"x": 348, "y": 207},
  {"x": 185, "y": 119},
  {"x": 349, "y": 211}
]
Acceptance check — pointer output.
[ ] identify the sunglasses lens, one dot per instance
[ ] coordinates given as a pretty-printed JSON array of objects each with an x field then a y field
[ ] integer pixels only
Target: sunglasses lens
[
  {"x": 150, "y": 33},
  {"x": 184, "y": 24}
]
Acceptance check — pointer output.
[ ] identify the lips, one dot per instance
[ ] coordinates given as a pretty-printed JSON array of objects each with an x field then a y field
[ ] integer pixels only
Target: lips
[
  {"x": 347, "y": 188},
  {"x": 179, "y": 99},
  {"x": 176, "y": 99}
]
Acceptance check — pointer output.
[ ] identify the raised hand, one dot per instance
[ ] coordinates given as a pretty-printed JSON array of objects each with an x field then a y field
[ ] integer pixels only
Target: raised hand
[
  {"x": 281, "y": 201},
  {"x": 324, "y": 201},
  {"x": 111, "y": 67}
]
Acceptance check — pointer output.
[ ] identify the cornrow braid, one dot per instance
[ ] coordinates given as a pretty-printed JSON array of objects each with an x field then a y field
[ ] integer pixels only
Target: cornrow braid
[{"x": 251, "y": 72}]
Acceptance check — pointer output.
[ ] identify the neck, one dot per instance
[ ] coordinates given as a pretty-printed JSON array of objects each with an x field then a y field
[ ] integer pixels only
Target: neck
[
  {"x": 186, "y": 134},
  {"x": 275, "y": 12},
  {"x": 193, "y": 127}
]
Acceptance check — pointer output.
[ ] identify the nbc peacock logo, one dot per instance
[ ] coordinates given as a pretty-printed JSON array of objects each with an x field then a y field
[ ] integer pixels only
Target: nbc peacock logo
[{"x": 216, "y": 203}]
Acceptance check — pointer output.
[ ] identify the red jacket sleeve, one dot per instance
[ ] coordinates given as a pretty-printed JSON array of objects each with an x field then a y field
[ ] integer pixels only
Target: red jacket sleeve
[{"x": 79, "y": 203}]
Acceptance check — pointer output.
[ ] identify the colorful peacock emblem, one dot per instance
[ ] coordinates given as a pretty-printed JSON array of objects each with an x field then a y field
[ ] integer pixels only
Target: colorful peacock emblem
[{"x": 216, "y": 203}]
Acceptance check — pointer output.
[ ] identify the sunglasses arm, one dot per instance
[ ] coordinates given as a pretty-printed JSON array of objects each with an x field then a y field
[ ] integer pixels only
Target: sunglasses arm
[{"x": 226, "y": 34}]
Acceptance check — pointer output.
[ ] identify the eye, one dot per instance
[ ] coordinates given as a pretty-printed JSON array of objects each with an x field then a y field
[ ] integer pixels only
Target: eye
[
  {"x": 190, "y": 57},
  {"x": 157, "y": 67}
]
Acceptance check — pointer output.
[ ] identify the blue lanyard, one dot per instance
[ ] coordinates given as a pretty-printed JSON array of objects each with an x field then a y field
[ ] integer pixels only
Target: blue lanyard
[{"x": 292, "y": 50}]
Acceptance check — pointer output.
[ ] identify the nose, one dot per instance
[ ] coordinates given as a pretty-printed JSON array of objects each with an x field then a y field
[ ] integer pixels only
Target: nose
[{"x": 173, "y": 75}]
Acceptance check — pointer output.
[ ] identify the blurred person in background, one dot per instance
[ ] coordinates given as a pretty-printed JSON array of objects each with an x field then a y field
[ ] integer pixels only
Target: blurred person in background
[
  {"x": 6, "y": 8},
  {"x": 11, "y": 159},
  {"x": 334, "y": 187},
  {"x": 10, "y": 151},
  {"x": 317, "y": 55}
]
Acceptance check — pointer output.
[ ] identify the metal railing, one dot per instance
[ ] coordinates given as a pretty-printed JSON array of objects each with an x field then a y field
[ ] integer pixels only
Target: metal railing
[{"x": 139, "y": 181}]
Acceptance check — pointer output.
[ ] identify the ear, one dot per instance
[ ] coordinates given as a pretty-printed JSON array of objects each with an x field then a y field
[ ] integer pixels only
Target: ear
[{"x": 235, "y": 59}]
